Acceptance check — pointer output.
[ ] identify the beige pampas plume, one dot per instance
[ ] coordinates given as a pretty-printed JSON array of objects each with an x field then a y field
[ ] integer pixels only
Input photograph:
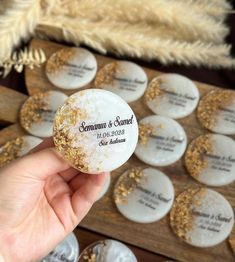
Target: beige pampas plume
[
  {"x": 48, "y": 5},
  {"x": 159, "y": 31},
  {"x": 17, "y": 22},
  {"x": 217, "y": 11},
  {"x": 171, "y": 13},
  {"x": 220, "y": 3},
  {"x": 125, "y": 39},
  {"x": 167, "y": 30}
]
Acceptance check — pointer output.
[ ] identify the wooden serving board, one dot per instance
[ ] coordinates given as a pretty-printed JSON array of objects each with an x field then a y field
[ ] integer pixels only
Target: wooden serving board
[
  {"x": 10, "y": 103},
  {"x": 104, "y": 217},
  {"x": 11, "y": 132}
]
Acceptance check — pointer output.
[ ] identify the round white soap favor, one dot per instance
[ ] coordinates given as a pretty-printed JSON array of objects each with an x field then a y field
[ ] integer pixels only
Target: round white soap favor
[
  {"x": 95, "y": 131},
  {"x": 126, "y": 79},
  {"x": 16, "y": 148},
  {"x": 162, "y": 141},
  {"x": 106, "y": 251},
  {"x": 144, "y": 195},
  {"x": 38, "y": 112},
  {"x": 67, "y": 250},
  {"x": 71, "y": 68},
  {"x": 105, "y": 187},
  {"x": 210, "y": 159},
  {"x": 216, "y": 111},
  {"x": 172, "y": 95},
  {"x": 202, "y": 217}
]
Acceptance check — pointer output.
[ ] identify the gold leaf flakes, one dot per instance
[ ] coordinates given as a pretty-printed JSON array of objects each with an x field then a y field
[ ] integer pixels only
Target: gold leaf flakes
[
  {"x": 181, "y": 215},
  {"x": 31, "y": 110},
  {"x": 11, "y": 150},
  {"x": 127, "y": 183},
  {"x": 195, "y": 155},
  {"x": 210, "y": 104},
  {"x": 58, "y": 60}
]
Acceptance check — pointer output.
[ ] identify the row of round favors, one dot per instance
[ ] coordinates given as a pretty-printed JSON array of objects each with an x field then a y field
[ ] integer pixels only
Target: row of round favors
[
  {"x": 170, "y": 95},
  {"x": 199, "y": 216},
  {"x": 210, "y": 158},
  {"x": 162, "y": 141}
]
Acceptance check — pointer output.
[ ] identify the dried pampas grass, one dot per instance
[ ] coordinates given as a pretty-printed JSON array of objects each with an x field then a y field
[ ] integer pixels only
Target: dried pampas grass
[
  {"x": 26, "y": 57},
  {"x": 132, "y": 40},
  {"x": 218, "y": 10},
  {"x": 185, "y": 20},
  {"x": 189, "y": 32},
  {"x": 17, "y": 23}
]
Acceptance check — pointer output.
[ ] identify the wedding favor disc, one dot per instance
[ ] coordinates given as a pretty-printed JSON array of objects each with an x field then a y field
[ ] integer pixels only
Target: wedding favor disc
[
  {"x": 172, "y": 95},
  {"x": 216, "y": 111},
  {"x": 124, "y": 78},
  {"x": 107, "y": 251},
  {"x": 67, "y": 250},
  {"x": 144, "y": 196},
  {"x": 211, "y": 159},
  {"x": 202, "y": 217},
  {"x": 71, "y": 68},
  {"x": 16, "y": 148},
  {"x": 96, "y": 131},
  {"x": 38, "y": 112},
  {"x": 105, "y": 187},
  {"x": 162, "y": 141}
]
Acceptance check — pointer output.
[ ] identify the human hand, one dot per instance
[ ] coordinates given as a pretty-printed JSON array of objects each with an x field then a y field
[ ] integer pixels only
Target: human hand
[{"x": 42, "y": 199}]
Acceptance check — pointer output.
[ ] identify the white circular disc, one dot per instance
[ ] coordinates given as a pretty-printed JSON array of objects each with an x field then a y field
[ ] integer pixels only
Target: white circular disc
[
  {"x": 77, "y": 70},
  {"x": 223, "y": 119},
  {"x": 220, "y": 163},
  {"x": 213, "y": 221},
  {"x": 67, "y": 250},
  {"x": 29, "y": 143},
  {"x": 108, "y": 251},
  {"x": 16, "y": 148},
  {"x": 105, "y": 187},
  {"x": 96, "y": 131},
  {"x": 226, "y": 120},
  {"x": 150, "y": 200},
  {"x": 129, "y": 80},
  {"x": 43, "y": 128},
  {"x": 178, "y": 96},
  {"x": 166, "y": 145}
]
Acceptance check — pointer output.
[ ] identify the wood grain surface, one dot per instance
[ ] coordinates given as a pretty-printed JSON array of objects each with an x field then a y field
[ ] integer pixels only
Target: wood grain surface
[
  {"x": 104, "y": 217},
  {"x": 11, "y": 132},
  {"x": 10, "y": 103}
]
